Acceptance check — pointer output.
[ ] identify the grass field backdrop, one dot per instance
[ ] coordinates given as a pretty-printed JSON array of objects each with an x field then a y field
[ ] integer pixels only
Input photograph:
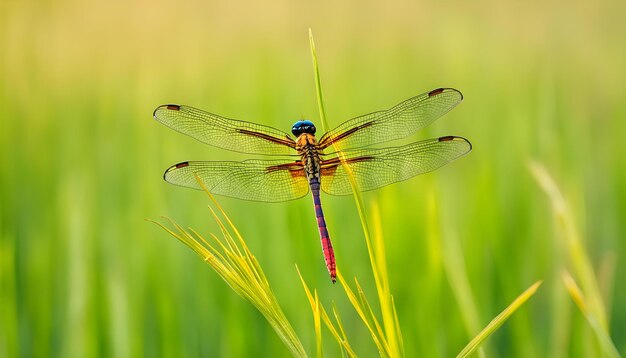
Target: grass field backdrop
[{"x": 542, "y": 196}]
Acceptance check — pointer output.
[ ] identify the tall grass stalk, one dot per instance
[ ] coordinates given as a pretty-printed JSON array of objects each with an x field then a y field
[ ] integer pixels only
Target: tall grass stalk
[
  {"x": 567, "y": 232},
  {"x": 592, "y": 305},
  {"x": 388, "y": 341},
  {"x": 577, "y": 296},
  {"x": 231, "y": 259}
]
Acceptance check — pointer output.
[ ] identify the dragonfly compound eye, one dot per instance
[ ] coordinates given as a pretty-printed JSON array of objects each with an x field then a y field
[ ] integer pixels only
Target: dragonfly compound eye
[{"x": 303, "y": 126}]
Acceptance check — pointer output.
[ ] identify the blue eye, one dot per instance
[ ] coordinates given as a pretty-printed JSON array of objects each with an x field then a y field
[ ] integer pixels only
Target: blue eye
[{"x": 303, "y": 126}]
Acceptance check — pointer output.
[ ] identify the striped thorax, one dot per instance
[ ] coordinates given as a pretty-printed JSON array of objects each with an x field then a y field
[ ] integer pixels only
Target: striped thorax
[{"x": 307, "y": 147}]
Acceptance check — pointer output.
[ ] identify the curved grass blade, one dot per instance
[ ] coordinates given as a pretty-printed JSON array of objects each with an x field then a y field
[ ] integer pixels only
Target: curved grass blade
[
  {"x": 231, "y": 259},
  {"x": 577, "y": 296},
  {"x": 576, "y": 251},
  {"x": 498, "y": 320},
  {"x": 589, "y": 298},
  {"x": 364, "y": 311},
  {"x": 338, "y": 334}
]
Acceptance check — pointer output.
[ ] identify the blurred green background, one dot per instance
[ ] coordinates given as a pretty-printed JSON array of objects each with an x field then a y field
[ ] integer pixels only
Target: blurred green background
[{"x": 82, "y": 274}]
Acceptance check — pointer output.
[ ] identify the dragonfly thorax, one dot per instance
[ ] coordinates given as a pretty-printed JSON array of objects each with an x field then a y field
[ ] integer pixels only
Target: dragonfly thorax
[{"x": 303, "y": 126}]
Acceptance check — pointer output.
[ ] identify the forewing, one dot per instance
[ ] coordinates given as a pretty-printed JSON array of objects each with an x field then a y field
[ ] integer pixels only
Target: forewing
[
  {"x": 375, "y": 168},
  {"x": 255, "y": 180},
  {"x": 230, "y": 134},
  {"x": 398, "y": 122}
]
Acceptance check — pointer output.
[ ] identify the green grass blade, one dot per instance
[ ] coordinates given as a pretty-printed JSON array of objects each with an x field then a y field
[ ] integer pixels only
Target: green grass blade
[
  {"x": 397, "y": 328},
  {"x": 363, "y": 312},
  {"x": 576, "y": 252},
  {"x": 232, "y": 260},
  {"x": 340, "y": 338},
  {"x": 367, "y": 308},
  {"x": 340, "y": 325},
  {"x": 318, "y": 327},
  {"x": 318, "y": 83},
  {"x": 498, "y": 321},
  {"x": 577, "y": 296},
  {"x": 376, "y": 251}
]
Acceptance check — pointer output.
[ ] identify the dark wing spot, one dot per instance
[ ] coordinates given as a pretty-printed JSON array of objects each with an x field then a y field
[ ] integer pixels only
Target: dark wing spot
[
  {"x": 173, "y": 168},
  {"x": 435, "y": 92},
  {"x": 452, "y": 138},
  {"x": 173, "y": 107}
]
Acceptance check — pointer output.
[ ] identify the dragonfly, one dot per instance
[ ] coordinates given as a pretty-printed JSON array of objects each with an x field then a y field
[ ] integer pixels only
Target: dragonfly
[{"x": 298, "y": 162}]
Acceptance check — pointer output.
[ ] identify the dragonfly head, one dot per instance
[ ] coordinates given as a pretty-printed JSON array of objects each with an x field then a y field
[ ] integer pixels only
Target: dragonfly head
[{"x": 303, "y": 126}]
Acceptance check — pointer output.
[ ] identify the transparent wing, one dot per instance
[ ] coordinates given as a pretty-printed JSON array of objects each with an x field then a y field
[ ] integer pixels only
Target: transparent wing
[
  {"x": 255, "y": 180},
  {"x": 230, "y": 134},
  {"x": 375, "y": 168},
  {"x": 398, "y": 122}
]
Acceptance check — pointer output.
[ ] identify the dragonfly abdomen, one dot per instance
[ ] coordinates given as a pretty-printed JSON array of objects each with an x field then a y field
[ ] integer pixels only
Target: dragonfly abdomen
[{"x": 327, "y": 247}]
